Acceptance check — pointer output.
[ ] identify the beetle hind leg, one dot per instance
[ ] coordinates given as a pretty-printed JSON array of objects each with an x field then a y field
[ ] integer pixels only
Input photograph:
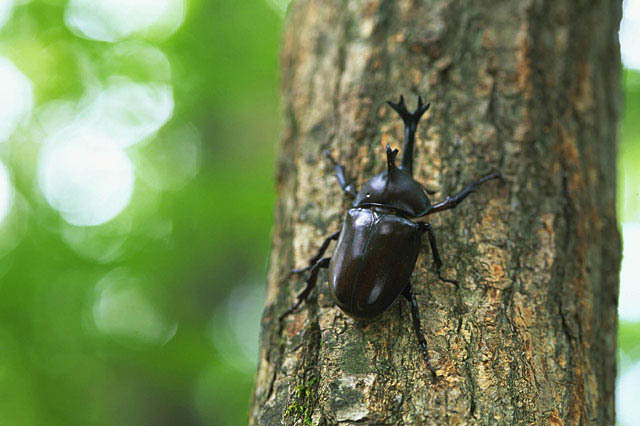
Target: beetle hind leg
[
  {"x": 318, "y": 256},
  {"x": 311, "y": 283},
  {"x": 415, "y": 315}
]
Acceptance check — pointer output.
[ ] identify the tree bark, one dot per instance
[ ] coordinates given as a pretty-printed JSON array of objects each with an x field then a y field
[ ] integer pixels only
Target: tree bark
[{"x": 526, "y": 87}]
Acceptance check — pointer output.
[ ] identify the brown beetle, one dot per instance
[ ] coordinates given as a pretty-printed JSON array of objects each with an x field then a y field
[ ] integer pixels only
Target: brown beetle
[{"x": 379, "y": 243}]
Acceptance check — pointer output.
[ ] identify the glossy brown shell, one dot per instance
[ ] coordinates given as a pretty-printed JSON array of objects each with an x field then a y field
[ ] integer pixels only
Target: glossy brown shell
[
  {"x": 373, "y": 261},
  {"x": 395, "y": 189}
]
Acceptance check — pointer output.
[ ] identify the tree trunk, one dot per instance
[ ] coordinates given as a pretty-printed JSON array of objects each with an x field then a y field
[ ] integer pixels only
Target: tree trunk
[{"x": 526, "y": 87}]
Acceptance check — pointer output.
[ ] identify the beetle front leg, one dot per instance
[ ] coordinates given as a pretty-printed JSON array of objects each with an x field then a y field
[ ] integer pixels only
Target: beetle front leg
[
  {"x": 348, "y": 188},
  {"x": 452, "y": 202},
  {"x": 415, "y": 315},
  {"x": 311, "y": 282},
  {"x": 426, "y": 227}
]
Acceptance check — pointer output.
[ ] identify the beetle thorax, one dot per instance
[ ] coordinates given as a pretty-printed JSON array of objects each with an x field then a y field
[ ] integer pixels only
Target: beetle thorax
[{"x": 394, "y": 189}]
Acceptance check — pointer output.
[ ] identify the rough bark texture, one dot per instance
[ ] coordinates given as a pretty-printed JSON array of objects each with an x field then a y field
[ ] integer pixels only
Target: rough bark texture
[{"x": 526, "y": 87}]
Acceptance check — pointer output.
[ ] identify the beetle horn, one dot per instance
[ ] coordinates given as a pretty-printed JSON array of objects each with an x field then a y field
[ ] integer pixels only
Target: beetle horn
[
  {"x": 410, "y": 119},
  {"x": 391, "y": 158}
]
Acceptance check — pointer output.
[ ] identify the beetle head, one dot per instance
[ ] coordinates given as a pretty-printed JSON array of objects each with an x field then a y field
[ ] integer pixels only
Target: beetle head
[{"x": 395, "y": 189}]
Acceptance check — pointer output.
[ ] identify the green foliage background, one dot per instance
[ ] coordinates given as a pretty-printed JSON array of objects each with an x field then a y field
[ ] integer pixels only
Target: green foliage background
[
  {"x": 56, "y": 367},
  {"x": 206, "y": 274}
]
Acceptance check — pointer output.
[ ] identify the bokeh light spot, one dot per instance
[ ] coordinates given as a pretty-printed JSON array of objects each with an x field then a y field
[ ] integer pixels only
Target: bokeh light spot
[
  {"x": 128, "y": 112},
  {"x": 629, "y": 301},
  {"x": 122, "y": 311},
  {"x": 630, "y": 34},
  {"x": 627, "y": 407},
  {"x": 5, "y": 11},
  {"x": 85, "y": 176},
  {"x": 49, "y": 118},
  {"x": 6, "y": 193},
  {"x": 236, "y": 329},
  {"x": 140, "y": 61},
  {"x": 245, "y": 318},
  {"x": 103, "y": 244},
  {"x": 112, "y": 20},
  {"x": 172, "y": 160},
  {"x": 279, "y": 6},
  {"x": 16, "y": 97}
]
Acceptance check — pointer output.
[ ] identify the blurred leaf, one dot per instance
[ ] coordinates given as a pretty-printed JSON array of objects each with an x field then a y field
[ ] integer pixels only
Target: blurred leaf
[{"x": 629, "y": 339}]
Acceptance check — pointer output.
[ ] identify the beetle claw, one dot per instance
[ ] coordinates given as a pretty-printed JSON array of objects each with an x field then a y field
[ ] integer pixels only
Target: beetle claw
[
  {"x": 447, "y": 280},
  {"x": 434, "y": 376}
]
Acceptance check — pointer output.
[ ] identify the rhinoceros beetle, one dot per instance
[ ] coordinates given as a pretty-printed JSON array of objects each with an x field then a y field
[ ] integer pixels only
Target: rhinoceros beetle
[{"x": 379, "y": 242}]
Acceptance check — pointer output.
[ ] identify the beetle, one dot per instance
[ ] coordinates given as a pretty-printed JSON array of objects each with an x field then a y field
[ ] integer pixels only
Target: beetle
[{"x": 379, "y": 242}]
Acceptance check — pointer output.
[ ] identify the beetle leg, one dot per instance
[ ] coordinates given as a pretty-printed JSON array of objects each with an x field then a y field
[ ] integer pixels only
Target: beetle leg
[
  {"x": 434, "y": 251},
  {"x": 415, "y": 315},
  {"x": 452, "y": 202},
  {"x": 348, "y": 188},
  {"x": 311, "y": 282},
  {"x": 410, "y": 120},
  {"x": 318, "y": 255}
]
